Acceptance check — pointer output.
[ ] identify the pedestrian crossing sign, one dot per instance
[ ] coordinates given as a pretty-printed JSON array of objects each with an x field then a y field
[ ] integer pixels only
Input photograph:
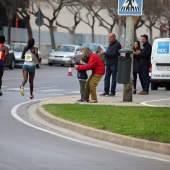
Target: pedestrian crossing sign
[{"x": 130, "y": 7}]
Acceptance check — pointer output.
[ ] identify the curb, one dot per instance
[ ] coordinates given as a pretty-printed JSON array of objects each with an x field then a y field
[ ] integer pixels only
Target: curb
[{"x": 157, "y": 147}]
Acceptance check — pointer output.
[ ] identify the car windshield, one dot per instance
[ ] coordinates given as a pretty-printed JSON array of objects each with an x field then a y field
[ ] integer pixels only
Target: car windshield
[
  {"x": 93, "y": 47},
  {"x": 18, "y": 47},
  {"x": 65, "y": 48}
]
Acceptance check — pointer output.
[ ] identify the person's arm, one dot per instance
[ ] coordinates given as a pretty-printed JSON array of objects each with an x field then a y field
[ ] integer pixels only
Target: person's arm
[
  {"x": 24, "y": 51},
  {"x": 113, "y": 52},
  {"x": 91, "y": 63},
  {"x": 146, "y": 52},
  {"x": 137, "y": 53}
]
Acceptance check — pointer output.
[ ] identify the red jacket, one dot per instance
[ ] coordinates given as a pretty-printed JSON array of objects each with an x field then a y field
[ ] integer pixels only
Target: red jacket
[{"x": 95, "y": 64}]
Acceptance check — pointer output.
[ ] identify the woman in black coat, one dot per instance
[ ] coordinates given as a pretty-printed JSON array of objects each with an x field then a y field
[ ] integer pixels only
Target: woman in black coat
[{"x": 136, "y": 65}]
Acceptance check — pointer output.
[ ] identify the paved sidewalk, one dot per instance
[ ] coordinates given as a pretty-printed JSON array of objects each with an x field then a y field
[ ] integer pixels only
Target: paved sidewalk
[{"x": 139, "y": 100}]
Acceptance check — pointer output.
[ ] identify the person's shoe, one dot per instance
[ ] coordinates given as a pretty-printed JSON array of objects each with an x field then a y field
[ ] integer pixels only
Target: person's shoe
[
  {"x": 1, "y": 94},
  {"x": 92, "y": 101},
  {"x": 144, "y": 93},
  {"x": 104, "y": 94},
  {"x": 87, "y": 100},
  {"x": 22, "y": 91},
  {"x": 31, "y": 97},
  {"x": 134, "y": 91},
  {"x": 81, "y": 101},
  {"x": 111, "y": 95}
]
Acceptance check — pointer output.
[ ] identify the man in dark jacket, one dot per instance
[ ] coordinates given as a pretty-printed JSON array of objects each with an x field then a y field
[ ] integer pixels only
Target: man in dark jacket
[
  {"x": 145, "y": 62},
  {"x": 111, "y": 58}
]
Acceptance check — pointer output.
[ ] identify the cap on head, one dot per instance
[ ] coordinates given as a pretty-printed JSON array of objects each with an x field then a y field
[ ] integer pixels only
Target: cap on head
[{"x": 145, "y": 36}]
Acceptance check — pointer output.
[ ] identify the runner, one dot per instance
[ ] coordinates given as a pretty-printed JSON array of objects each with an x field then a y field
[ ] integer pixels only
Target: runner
[
  {"x": 30, "y": 54},
  {"x": 3, "y": 52}
]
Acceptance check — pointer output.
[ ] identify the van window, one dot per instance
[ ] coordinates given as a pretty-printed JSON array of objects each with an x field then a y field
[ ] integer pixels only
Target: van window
[{"x": 163, "y": 47}]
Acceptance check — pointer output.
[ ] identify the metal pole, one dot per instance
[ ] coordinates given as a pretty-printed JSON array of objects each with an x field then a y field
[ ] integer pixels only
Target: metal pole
[
  {"x": 169, "y": 26},
  {"x": 39, "y": 28},
  {"x": 128, "y": 88}
]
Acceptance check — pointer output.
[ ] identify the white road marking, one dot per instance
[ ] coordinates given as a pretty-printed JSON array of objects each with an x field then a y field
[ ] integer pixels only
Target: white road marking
[
  {"x": 72, "y": 92},
  {"x": 15, "y": 115},
  {"x": 53, "y": 90},
  {"x": 145, "y": 102}
]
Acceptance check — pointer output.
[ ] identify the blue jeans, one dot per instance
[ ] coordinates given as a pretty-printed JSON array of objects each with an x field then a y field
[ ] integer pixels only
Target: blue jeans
[
  {"x": 111, "y": 70},
  {"x": 145, "y": 77}
]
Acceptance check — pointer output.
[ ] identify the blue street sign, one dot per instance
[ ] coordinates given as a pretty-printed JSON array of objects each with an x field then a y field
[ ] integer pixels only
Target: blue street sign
[
  {"x": 130, "y": 7},
  {"x": 163, "y": 47}
]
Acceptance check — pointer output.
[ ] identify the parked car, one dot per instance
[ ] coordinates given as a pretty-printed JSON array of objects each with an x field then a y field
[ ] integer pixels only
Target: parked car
[
  {"x": 18, "y": 49},
  {"x": 96, "y": 48},
  {"x": 64, "y": 55},
  {"x": 9, "y": 59}
]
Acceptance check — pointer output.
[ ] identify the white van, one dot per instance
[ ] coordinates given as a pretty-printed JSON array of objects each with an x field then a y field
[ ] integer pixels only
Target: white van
[{"x": 160, "y": 60}]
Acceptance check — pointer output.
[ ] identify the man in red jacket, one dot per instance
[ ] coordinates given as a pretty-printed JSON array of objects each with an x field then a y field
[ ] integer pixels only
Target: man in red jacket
[{"x": 95, "y": 64}]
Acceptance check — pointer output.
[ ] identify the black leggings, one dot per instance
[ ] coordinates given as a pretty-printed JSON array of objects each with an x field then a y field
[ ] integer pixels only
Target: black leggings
[{"x": 135, "y": 79}]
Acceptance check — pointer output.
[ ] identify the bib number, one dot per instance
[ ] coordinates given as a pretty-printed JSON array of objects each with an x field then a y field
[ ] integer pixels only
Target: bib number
[
  {"x": 0, "y": 55},
  {"x": 28, "y": 57}
]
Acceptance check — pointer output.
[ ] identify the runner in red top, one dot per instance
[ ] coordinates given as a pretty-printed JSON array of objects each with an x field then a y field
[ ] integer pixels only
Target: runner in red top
[{"x": 3, "y": 52}]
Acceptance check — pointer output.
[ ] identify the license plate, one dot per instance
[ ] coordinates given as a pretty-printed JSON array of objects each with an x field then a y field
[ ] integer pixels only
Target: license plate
[{"x": 163, "y": 68}]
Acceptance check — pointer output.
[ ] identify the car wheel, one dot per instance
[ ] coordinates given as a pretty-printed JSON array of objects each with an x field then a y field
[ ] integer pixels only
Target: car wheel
[
  {"x": 154, "y": 86},
  {"x": 167, "y": 87},
  {"x": 38, "y": 65},
  {"x": 50, "y": 64},
  {"x": 12, "y": 66}
]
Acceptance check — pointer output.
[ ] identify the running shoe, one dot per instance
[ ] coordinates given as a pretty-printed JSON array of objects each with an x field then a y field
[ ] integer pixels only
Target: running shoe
[
  {"x": 31, "y": 97},
  {"x": 22, "y": 90}
]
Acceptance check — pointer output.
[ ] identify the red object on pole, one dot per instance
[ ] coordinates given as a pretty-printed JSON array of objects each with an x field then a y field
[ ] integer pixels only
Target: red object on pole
[{"x": 69, "y": 71}]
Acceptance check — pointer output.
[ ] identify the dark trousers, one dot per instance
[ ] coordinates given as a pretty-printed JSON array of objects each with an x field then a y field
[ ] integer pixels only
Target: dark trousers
[
  {"x": 83, "y": 89},
  {"x": 145, "y": 77},
  {"x": 135, "y": 79},
  {"x": 111, "y": 70}
]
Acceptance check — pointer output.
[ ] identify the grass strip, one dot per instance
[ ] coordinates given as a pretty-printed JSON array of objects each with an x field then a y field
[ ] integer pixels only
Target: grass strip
[{"x": 148, "y": 123}]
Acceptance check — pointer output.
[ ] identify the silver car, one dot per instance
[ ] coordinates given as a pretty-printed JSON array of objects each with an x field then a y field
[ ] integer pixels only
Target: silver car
[
  {"x": 64, "y": 55},
  {"x": 18, "y": 49}
]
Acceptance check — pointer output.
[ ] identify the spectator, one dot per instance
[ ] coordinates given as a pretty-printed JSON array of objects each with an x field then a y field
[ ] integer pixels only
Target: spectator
[
  {"x": 111, "y": 58},
  {"x": 145, "y": 62},
  {"x": 95, "y": 64},
  {"x": 82, "y": 76},
  {"x": 136, "y": 65}
]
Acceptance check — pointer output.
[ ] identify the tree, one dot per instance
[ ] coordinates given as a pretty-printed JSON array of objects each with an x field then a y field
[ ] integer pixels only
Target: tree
[
  {"x": 92, "y": 10},
  {"x": 74, "y": 8},
  {"x": 151, "y": 15},
  {"x": 11, "y": 6},
  {"x": 54, "y": 5},
  {"x": 24, "y": 16}
]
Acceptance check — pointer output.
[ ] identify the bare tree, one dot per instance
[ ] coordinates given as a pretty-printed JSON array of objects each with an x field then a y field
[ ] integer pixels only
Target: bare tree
[
  {"x": 74, "y": 8},
  {"x": 11, "y": 6},
  {"x": 24, "y": 16},
  {"x": 54, "y": 5},
  {"x": 151, "y": 15},
  {"x": 111, "y": 8}
]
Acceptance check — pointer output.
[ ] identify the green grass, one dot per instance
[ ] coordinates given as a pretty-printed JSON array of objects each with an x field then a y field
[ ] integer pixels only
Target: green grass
[{"x": 148, "y": 123}]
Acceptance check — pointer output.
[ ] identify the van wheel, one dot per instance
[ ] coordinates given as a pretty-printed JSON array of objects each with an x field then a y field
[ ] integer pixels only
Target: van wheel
[
  {"x": 12, "y": 66},
  {"x": 167, "y": 87},
  {"x": 154, "y": 86}
]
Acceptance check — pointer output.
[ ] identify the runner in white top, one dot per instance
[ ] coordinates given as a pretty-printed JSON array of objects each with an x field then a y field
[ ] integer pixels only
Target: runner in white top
[{"x": 30, "y": 54}]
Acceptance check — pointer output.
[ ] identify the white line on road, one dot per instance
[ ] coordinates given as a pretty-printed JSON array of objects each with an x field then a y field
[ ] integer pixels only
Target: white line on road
[
  {"x": 145, "y": 102},
  {"x": 15, "y": 115}
]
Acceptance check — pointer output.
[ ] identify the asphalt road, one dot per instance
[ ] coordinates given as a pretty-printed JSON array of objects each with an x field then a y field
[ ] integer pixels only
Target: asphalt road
[{"x": 24, "y": 148}]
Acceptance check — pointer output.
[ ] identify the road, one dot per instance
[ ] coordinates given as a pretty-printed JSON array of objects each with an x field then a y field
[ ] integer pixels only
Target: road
[{"x": 24, "y": 148}]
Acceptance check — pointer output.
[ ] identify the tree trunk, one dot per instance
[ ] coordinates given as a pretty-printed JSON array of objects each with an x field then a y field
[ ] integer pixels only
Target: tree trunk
[
  {"x": 9, "y": 31},
  {"x": 29, "y": 30},
  {"x": 151, "y": 35},
  {"x": 52, "y": 35},
  {"x": 73, "y": 37},
  {"x": 93, "y": 38}
]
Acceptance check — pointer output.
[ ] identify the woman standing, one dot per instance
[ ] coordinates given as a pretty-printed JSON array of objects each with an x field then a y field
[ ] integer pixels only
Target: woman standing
[
  {"x": 30, "y": 54},
  {"x": 136, "y": 65},
  {"x": 95, "y": 64},
  {"x": 3, "y": 52}
]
